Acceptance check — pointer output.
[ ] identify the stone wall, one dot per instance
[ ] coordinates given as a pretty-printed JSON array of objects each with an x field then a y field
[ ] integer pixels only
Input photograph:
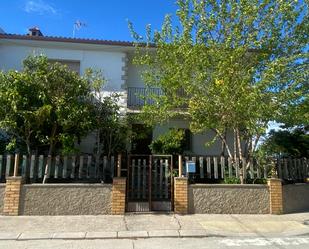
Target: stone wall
[
  {"x": 65, "y": 199},
  {"x": 228, "y": 199},
  {"x": 295, "y": 198},
  {"x": 2, "y": 191}
]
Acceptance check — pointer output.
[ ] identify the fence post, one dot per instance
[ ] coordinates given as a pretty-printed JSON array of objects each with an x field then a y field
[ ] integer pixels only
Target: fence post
[
  {"x": 16, "y": 164},
  {"x": 180, "y": 165},
  {"x": 275, "y": 195},
  {"x": 181, "y": 195},
  {"x": 12, "y": 195},
  {"x": 119, "y": 165},
  {"x": 119, "y": 195}
]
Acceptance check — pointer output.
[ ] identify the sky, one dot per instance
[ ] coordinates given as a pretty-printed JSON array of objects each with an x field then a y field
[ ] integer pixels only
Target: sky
[{"x": 105, "y": 19}]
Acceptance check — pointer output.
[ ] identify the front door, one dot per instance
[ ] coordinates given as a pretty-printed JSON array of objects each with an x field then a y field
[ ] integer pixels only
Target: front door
[{"x": 149, "y": 183}]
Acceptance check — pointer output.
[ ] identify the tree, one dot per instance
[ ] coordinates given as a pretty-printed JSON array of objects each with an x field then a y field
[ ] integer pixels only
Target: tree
[
  {"x": 45, "y": 104},
  {"x": 234, "y": 65},
  {"x": 282, "y": 143},
  {"x": 110, "y": 125},
  {"x": 22, "y": 111},
  {"x": 171, "y": 142}
]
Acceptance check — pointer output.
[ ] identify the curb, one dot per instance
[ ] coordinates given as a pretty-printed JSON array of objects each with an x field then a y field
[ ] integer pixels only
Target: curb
[
  {"x": 132, "y": 235},
  {"x": 107, "y": 235}
]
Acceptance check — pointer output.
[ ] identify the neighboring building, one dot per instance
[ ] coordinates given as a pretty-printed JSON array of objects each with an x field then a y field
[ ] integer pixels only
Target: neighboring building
[{"x": 114, "y": 59}]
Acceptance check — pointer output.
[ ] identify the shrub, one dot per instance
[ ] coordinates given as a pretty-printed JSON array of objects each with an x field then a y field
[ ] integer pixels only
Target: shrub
[{"x": 171, "y": 142}]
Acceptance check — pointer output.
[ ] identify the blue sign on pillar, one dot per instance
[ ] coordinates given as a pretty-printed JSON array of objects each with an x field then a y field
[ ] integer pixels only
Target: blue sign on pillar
[{"x": 190, "y": 167}]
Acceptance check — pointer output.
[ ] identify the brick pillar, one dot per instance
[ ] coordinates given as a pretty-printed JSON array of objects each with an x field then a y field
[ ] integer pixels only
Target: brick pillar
[
  {"x": 181, "y": 195},
  {"x": 119, "y": 195},
  {"x": 12, "y": 196},
  {"x": 275, "y": 194}
]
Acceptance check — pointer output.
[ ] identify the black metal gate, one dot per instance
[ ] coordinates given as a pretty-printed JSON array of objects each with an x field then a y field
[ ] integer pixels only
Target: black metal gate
[{"x": 150, "y": 183}]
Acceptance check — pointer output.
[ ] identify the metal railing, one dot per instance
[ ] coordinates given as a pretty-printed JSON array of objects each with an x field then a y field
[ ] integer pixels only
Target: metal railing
[{"x": 140, "y": 96}]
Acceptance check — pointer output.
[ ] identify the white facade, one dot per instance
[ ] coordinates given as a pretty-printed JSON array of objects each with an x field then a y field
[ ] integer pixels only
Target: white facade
[
  {"x": 114, "y": 61},
  {"x": 110, "y": 62}
]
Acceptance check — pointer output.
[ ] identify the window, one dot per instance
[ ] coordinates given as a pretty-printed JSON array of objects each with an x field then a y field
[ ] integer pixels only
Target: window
[{"x": 72, "y": 65}]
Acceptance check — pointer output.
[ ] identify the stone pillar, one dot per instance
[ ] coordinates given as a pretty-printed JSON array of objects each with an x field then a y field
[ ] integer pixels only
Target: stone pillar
[
  {"x": 12, "y": 196},
  {"x": 119, "y": 195},
  {"x": 275, "y": 194},
  {"x": 181, "y": 195}
]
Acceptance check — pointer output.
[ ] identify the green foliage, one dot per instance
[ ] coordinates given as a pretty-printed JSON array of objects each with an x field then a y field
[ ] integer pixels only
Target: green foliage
[
  {"x": 112, "y": 130},
  {"x": 236, "y": 180},
  {"x": 256, "y": 181},
  {"x": 231, "y": 180},
  {"x": 4, "y": 141},
  {"x": 48, "y": 106},
  {"x": 292, "y": 143},
  {"x": 113, "y": 127},
  {"x": 43, "y": 104},
  {"x": 68, "y": 144},
  {"x": 239, "y": 65},
  {"x": 171, "y": 142}
]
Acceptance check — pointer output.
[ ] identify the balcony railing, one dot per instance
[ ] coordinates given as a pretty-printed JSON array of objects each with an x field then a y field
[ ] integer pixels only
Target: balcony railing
[{"x": 137, "y": 96}]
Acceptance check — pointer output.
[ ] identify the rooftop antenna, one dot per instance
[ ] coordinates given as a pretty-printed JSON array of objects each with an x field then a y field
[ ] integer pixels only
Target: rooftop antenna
[{"x": 77, "y": 26}]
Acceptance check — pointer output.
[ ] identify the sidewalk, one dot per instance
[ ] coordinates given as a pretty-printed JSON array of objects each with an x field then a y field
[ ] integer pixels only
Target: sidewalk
[{"x": 132, "y": 226}]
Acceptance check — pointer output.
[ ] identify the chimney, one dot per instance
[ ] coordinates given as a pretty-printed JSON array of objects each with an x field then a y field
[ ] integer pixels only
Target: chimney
[{"x": 35, "y": 31}]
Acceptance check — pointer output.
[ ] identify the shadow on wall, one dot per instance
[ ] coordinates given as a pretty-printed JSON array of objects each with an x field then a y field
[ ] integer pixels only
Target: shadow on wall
[
  {"x": 295, "y": 198},
  {"x": 65, "y": 199},
  {"x": 2, "y": 190},
  {"x": 229, "y": 199}
]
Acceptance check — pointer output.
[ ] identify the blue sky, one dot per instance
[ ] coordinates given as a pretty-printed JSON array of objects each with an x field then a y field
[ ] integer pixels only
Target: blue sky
[{"x": 105, "y": 19}]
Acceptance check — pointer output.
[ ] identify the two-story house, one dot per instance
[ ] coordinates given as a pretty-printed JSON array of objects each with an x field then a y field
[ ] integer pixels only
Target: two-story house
[{"x": 114, "y": 59}]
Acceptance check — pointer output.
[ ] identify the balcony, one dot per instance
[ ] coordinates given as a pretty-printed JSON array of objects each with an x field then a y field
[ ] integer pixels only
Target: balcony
[{"x": 137, "y": 96}]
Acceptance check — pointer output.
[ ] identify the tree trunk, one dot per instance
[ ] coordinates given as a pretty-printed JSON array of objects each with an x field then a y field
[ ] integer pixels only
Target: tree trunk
[
  {"x": 27, "y": 140},
  {"x": 51, "y": 150},
  {"x": 98, "y": 142},
  {"x": 242, "y": 171},
  {"x": 225, "y": 142},
  {"x": 28, "y": 147},
  {"x": 235, "y": 145},
  {"x": 110, "y": 144},
  {"x": 223, "y": 145}
]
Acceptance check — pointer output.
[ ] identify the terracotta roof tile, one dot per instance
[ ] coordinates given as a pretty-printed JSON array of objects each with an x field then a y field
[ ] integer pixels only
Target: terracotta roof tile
[{"x": 66, "y": 39}]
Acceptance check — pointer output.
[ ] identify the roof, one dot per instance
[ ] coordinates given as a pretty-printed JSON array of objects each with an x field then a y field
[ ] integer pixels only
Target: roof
[{"x": 66, "y": 39}]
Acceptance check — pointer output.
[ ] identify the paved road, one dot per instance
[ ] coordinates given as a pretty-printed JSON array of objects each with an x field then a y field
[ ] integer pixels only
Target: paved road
[
  {"x": 152, "y": 231},
  {"x": 166, "y": 243},
  {"x": 215, "y": 224}
]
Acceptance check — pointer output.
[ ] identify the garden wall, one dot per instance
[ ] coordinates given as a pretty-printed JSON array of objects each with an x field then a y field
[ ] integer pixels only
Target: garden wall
[
  {"x": 65, "y": 199},
  {"x": 2, "y": 191},
  {"x": 295, "y": 198},
  {"x": 228, "y": 199}
]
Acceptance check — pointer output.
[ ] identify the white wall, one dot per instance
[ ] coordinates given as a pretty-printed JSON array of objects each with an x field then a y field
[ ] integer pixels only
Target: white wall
[
  {"x": 134, "y": 74},
  {"x": 111, "y": 63}
]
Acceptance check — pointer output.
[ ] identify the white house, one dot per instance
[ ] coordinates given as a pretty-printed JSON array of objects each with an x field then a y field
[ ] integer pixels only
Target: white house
[{"x": 113, "y": 58}]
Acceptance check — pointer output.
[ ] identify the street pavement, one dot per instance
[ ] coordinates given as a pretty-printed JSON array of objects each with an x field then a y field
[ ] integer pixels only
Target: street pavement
[
  {"x": 156, "y": 231},
  {"x": 164, "y": 243}
]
